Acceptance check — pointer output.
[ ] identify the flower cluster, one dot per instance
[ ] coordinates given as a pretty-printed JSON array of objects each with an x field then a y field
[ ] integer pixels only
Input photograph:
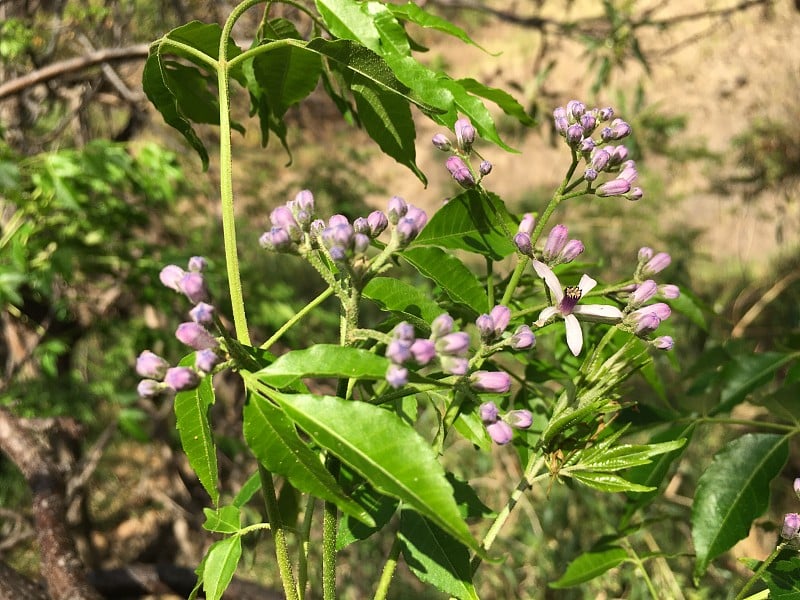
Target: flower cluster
[
  {"x": 641, "y": 318},
  {"x": 297, "y": 230},
  {"x": 458, "y": 164},
  {"x": 577, "y": 124},
  {"x": 558, "y": 249},
  {"x": 159, "y": 378},
  {"x": 500, "y": 428},
  {"x": 791, "y": 522}
]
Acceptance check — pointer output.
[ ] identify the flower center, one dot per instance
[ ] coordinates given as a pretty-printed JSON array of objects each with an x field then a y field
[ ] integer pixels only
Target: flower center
[{"x": 572, "y": 294}]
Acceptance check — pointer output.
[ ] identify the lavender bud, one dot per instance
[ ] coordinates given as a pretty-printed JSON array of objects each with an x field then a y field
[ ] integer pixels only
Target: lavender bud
[
  {"x": 669, "y": 291},
  {"x": 441, "y": 142},
  {"x": 575, "y": 109},
  {"x": 277, "y": 240},
  {"x": 338, "y": 220},
  {"x": 605, "y": 114},
  {"x": 282, "y": 217},
  {"x": 556, "y": 240},
  {"x": 664, "y": 342},
  {"x": 195, "y": 336},
  {"x": 523, "y": 242},
  {"x": 617, "y": 154},
  {"x": 453, "y": 344},
  {"x": 316, "y": 227},
  {"x": 590, "y": 175},
  {"x": 398, "y": 351},
  {"x": 441, "y": 326},
  {"x": 404, "y": 331},
  {"x": 628, "y": 173},
  {"x": 197, "y": 264},
  {"x": 377, "y": 222},
  {"x": 500, "y": 432},
  {"x": 659, "y": 309},
  {"x": 149, "y": 388},
  {"x": 485, "y": 327},
  {"x": 455, "y": 365},
  {"x": 645, "y": 254},
  {"x": 527, "y": 224},
  {"x": 635, "y": 194},
  {"x": 493, "y": 382},
  {"x": 151, "y": 365},
  {"x": 171, "y": 276},
  {"x": 304, "y": 200},
  {"x": 458, "y": 169},
  {"x": 360, "y": 225},
  {"x": 419, "y": 216},
  {"x": 485, "y": 168},
  {"x": 423, "y": 351},
  {"x": 588, "y": 123},
  {"x": 571, "y": 251},
  {"x": 406, "y": 231},
  {"x": 181, "y": 379},
  {"x": 465, "y": 134},
  {"x": 791, "y": 526},
  {"x": 574, "y": 135},
  {"x": 560, "y": 113},
  {"x": 397, "y": 209},
  {"x": 202, "y": 313},
  {"x": 561, "y": 125},
  {"x": 338, "y": 254},
  {"x": 644, "y": 292},
  {"x": 519, "y": 419},
  {"x": 360, "y": 243},
  {"x": 488, "y": 412},
  {"x": 658, "y": 263},
  {"x": 523, "y": 338},
  {"x": 646, "y": 323},
  {"x": 194, "y": 287},
  {"x": 620, "y": 129},
  {"x": 500, "y": 315},
  {"x": 587, "y": 146},
  {"x": 600, "y": 159},
  {"x": 206, "y": 360},
  {"x": 396, "y": 376},
  {"x": 615, "y": 187}
]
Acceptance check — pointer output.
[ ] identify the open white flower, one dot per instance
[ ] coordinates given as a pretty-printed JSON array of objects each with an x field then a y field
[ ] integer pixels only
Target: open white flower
[{"x": 566, "y": 305}]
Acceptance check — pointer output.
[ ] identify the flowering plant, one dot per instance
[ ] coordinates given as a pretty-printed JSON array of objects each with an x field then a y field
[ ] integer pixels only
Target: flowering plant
[{"x": 486, "y": 354}]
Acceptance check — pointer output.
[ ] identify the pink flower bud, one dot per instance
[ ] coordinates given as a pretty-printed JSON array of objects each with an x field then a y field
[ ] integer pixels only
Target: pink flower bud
[
  {"x": 664, "y": 342},
  {"x": 519, "y": 419},
  {"x": 197, "y": 264},
  {"x": 149, "y": 388},
  {"x": 194, "y": 287},
  {"x": 523, "y": 338},
  {"x": 574, "y": 135},
  {"x": 796, "y": 486},
  {"x": 669, "y": 291},
  {"x": 500, "y": 432},
  {"x": 572, "y": 250},
  {"x": 495, "y": 382},
  {"x": 527, "y": 224},
  {"x": 151, "y": 365},
  {"x": 791, "y": 526},
  {"x": 398, "y": 351},
  {"x": 441, "y": 326},
  {"x": 645, "y": 254},
  {"x": 615, "y": 187},
  {"x": 195, "y": 336},
  {"x": 501, "y": 315},
  {"x": 488, "y": 412},
  {"x": 423, "y": 351},
  {"x": 575, "y": 109},
  {"x": 453, "y": 344},
  {"x": 397, "y": 209},
  {"x": 659, "y": 309},
  {"x": 460, "y": 172},
  {"x": 657, "y": 264},
  {"x": 441, "y": 142},
  {"x": 523, "y": 243},
  {"x": 397, "y": 376},
  {"x": 465, "y": 134},
  {"x": 644, "y": 292},
  {"x": 455, "y": 365},
  {"x": 377, "y": 222},
  {"x": 556, "y": 240},
  {"x": 206, "y": 360},
  {"x": 171, "y": 275},
  {"x": 202, "y": 313},
  {"x": 485, "y": 168},
  {"x": 485, "y": 327},
  {"x": 181, "y": 379}
]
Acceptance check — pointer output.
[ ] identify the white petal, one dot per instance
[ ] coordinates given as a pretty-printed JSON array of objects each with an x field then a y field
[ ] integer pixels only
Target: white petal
[
  {"x": 574, "y": 334},
  {"x": 547, "y": 314},
  {"x": 604, "y": 313},
  {"x": 546, "y": 273},
  {"x": 586, "y": 284}
]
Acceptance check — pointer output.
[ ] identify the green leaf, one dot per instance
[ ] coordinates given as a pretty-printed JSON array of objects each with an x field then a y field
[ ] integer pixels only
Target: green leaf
[
  {"x": 393, "y": 38},
  {"x": 345, "y": 19},
  {"x": 380, "y": 508},
  {"x": 435, "y": 557},
  {"x": 469, "y": 504},
  {"x": 691, "y": 307},
  {"x": 192, "y": 94},
  {"x": 191, "y": 412},
  {"x": 248, "y": 490},
  {"x": 387, "y": 119},
  {"x": 625, "y": 456},
  {"x": 323, "y": 360},
  {"x": 782, "y": 576},
  {"x": 449, "y": 273},
  {"x": 226, "y": 519},
  {"x": 605, "y": 482},
  {"x": 733, "y": 492},
  {"x": 503, "y": 99},
  {"x": 273, "y": 439},
  {"x": 201, "y": 36},
  {"x": 220, "y": 565},
  {"x": 473, "y": 108},
  {"x": 473, "y": 221},
  {"x": 405, "y": 300},
  {"x": 384, "y": 450},
  {"x": 746, "y": 373},
  {"x": 413, "y": 13},
  {"x": 590, "y": 565},
  {"x": 287, "y": 75}
]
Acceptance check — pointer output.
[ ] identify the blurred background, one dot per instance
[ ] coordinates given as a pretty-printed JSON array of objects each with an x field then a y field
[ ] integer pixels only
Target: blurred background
[{"x": 97, "y": 193}]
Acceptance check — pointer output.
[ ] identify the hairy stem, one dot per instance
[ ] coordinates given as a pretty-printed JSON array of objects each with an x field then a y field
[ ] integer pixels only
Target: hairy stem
[
  {"x": 388, "y": 570},
  {"x": 276, "y": 526}
]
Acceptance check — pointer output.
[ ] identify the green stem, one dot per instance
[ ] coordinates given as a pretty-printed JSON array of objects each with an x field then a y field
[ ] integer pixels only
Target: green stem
[
  {"x": 329, "y": 521},
  {"x": 645, "y": 575},
  {"x": 185, "y": 48},
  {"x": 757, "y": 575},
  {"x": 305, "y": 533},
  {"x": 276, "y": 526},
  {"x": 297, "y": 317},
  {"x": 744, "y": 422},
  {"x": 388, "y": 570}
]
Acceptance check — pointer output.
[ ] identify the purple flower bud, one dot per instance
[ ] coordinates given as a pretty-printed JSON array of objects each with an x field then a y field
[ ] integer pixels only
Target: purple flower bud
[
  {"x": 796, "y": 486},
  {"x": 485, "y": 168},
  {"x": 574, "y": 135},
  {"x": 488, "y": 412},
  {"x": 646, "y": 323},
  {"x": 149, "y": 388},
  {"x": 419, "y": 216},
  {"x": 617, "y": 154},
  {"x": 397, "y": 209},
  {"x": 406, "y": 230},
  {"x": 338, "y": 254},
  {"x": 194, "y": 287},
  {"x": 377, "y": 222},
  {"x": 181, "y": 379},
  {"x": 171, "y": 276},
  {"x": 455, "y": 365},
  {"x": 644, "y": 292},
  {"x": 664, "y": 342},
  {"x": 791, "y": 526},
  {"x": 560, "y": 113},
  {"x": 575, "y": 109},
  {"x": 494, "y": 382},
  {"x": 527, "y": 224},
  {"x": 360, "y": 243},
  {"x": 197, "y": 264},
  {"x": 615, "y": 187},
  {"x": 404, "y": 331},
  {"x": 645, "y": 254},
  {"x": 620, "y": 129},
  {"x": 590, "y": 175},
  {"x": 206, "y": 360},
  {"x": 562, "y": 125},
  {"x": 441, "y": 326},
  {"x": 398, "y": 351},
  {"x": 202, "y": 313},
  {"x": 556, "y": 240},
  {"x": 523, "y": 243},
  {"x": 276, "y": 240},
  {"x": 360, "y": 225},
  {"x": 453, "y": 344},
  {"x": 316, "y": 227},
  {"x": 628, "y": 173},
  {"x": 571, "y": 251},
  {"x": 588, "y": 123},
  {"x": 501, "y": 315},
  {"x": 635, "y": 194},
  {"x": 659, "y": 309},
  {"x": 519, "y": 419},
  {"x": 282, "y": 217},
  {"x": 657, "y": 264},
  {"x": 465, "y": 134},
  {"x": 151, "y": 365},
  {"x": 458, "y": 169},
  {"x": 338, "y": 220},
  {"x": 441, "y": 142},
  {"x": 500, "y": 432},
  {"x": 605, "y": 114},
  {"x": 338, "y": 234},
  {"x": 397, "y": 376},
  {"x": 669, "y": 291},
  {"x": 523, "y": 338},
  {"x": 600, "y": 159},
  {"x": 424, "y": 351},
  {"x": 485, "y": 327},
  {"x": 304, "y": 201},
  {"x": 195, "y": 336}
]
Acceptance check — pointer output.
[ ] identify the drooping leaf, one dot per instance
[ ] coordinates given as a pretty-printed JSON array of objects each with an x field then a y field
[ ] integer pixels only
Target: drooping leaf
[
  {"x": 323, "y": 360},
  {"x": 220, "y": 565},
  {"x": 384, "y": 450},
  {"x": 503, "y": 99},
  {"x": 380, "y": 507},
  {"x": 287, "y": 75},
  {"x": 225, "y": 519},
  {"x": 435, "y": 557},
  {"x": 419, "y": 16},
  {"x": 591, "y": 564},
  {"x": 248, "y": 490},
  {"x": 733, "y": 492},
  {"x": 191, "y": 411},
  {"x": 449, "y": 273},
  {"x": 405, "y": 300},
  {"x": 473, "y": 221},
  {"x": 272, "y": 437}
]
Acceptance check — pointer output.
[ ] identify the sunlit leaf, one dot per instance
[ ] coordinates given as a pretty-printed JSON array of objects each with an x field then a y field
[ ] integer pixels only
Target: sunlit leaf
[
  {"x": 409, "y": 302},
  {"x": 220, "y": 565},
  {"x": 225, "y": 519}
]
